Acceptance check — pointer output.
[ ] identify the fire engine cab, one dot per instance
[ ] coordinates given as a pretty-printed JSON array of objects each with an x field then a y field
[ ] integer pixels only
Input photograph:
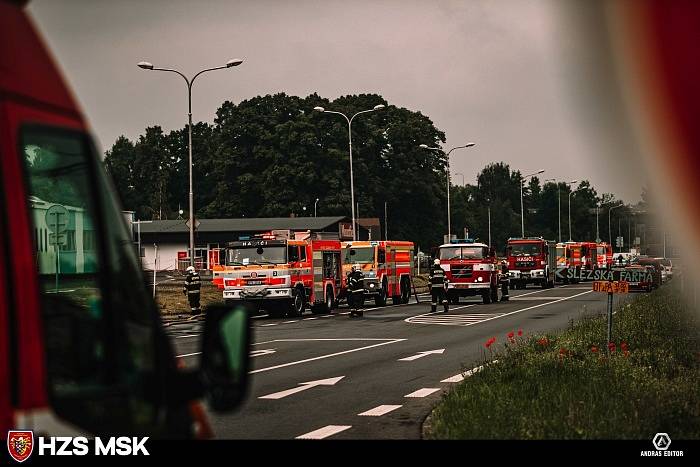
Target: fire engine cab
[
  {"x": 386, "y": 265},
  {"x": 471, "y": 269},
  {"x": 531, "y": 260},
  {"x": 283, "y": 275},
  {"x": 82, "y": 347}
]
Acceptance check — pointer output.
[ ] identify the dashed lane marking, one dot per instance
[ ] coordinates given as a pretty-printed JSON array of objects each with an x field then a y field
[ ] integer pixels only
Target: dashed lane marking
[
  {"x": 325, "y": 432},
  {"x": 423, "y": 392},
  {"x": 379, "y": 410}
]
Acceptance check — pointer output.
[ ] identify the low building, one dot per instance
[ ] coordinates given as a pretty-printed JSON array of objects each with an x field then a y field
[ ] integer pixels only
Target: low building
[{"x": 164, "y": 244}]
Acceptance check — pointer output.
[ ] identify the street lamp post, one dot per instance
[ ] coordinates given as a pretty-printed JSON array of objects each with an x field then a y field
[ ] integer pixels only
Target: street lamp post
[
  {"x": 570, "y": 193},
  {"x": 609, "y": 229},
  {"x": 315, "y": 203},
  {"x": 352, "y": 182},
  {"x": 522, "y": 212},
  {"x": 190, "y": 82},
  {"x": 449, "y": 221}
]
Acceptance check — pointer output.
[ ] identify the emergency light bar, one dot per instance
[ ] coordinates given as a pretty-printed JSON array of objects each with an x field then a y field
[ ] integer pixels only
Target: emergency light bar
[{"x": 462, "y": 240}]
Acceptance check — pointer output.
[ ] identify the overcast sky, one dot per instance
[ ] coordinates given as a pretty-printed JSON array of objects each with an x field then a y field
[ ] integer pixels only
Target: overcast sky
[{"x": 493, "y": 72}]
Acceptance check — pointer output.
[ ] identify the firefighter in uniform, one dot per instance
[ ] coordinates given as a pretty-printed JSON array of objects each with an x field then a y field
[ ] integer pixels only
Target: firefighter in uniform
[
  {"x": 438, "y": 281},
  {"x": 356, "y": 291},
  {"x": 504, "y": 280},
  {"x": 192, "y": 287}
]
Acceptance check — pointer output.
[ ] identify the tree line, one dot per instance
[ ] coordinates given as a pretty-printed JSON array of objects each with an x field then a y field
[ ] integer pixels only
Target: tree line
[{"x": 273, "y": 155}]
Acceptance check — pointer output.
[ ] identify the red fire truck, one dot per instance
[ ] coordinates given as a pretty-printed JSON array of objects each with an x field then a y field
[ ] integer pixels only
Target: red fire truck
[
  {"x": 386, "y": 265},
  {"x": 604, "y": 256},
  {"x": 283, "y": 275},
  {"x": 471, "y": 269},
  {"x": 568, "y": 257},
  {"x": 531, "y": 260},
  {"x": 82, "y": 347}
]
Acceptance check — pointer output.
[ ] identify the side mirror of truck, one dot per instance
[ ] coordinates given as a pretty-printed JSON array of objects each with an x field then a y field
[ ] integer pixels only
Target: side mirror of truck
[{"x": 225, "y": 355}]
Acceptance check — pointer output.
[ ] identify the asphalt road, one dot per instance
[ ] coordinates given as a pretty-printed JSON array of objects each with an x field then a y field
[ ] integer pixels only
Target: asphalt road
[{"x": 361, "y": 388}]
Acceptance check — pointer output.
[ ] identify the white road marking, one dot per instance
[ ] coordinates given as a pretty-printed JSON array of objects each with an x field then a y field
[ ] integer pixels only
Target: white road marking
[
  {"x": 308, "y": 319},
  {"x": 321, "y": 357},
  {"x": 302, "y": 387},
  {"x": 452, "y": 320},
  {"x": 270, "y": 324},
  {"x": 379, "y": 410},
  {"x": 431, "y": 318},
  {"x": 534, "y": 298},
  {"x": 421, "y": 355},
  {"x": 325, "y": 432},
  {"x": 422, "y": 392},
  {"x": 189, "y": 354},
  {"x": 189, "y": 335},
  {"x": 460, "y": 377},
  {"x": 261, "y": 352}
]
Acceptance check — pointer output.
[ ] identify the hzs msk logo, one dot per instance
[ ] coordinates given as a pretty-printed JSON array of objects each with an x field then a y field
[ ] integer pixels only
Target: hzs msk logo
[{"x": 20, "y": 444}]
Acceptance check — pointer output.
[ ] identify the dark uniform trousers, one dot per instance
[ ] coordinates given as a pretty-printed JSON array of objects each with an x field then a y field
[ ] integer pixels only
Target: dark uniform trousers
[
  {"x": 193, "y": 284},
  {"x": 504, "y": 283},
  {"x": 356, "y": 295},
  {"x": 437, "y": 288}
]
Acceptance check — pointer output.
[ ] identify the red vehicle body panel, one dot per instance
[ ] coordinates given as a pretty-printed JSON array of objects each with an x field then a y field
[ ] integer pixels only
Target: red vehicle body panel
[{"x": 32, "y": 91}]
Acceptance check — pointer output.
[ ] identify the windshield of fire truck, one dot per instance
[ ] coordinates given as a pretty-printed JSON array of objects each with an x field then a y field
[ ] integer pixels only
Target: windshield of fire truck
[
  {"x": 243, "y": 256},
  {"x": 463, "y": 252},
  {"x": 363, "y": 255},
  {"x": 525, "y": 249}
]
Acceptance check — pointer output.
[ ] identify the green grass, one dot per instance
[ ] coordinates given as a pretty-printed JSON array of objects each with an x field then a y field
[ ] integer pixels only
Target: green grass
[{"x": 562, "y": 389}]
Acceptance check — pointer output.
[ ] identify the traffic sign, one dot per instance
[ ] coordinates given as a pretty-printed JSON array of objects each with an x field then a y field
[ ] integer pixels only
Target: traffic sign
[
  {"x": 620, "y": 242},
  {"x": 611, "y": 286},
  {"x": 57, "y": 239},
  {"x": 196, "y": 224},
  {"x": 56, "y": 218}
]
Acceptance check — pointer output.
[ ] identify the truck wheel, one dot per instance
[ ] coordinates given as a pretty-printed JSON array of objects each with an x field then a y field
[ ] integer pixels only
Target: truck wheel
[
  {"x": 380, "y": 299},
  {"x": 297, "y": 304},
  {"x": 486, "y": 297},
  {"x": 405, "y": 290},
  {"x": 327, "y": 305}
]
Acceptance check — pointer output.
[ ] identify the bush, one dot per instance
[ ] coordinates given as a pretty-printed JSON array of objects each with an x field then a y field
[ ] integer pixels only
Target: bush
[{"x": 566, "y": 386}]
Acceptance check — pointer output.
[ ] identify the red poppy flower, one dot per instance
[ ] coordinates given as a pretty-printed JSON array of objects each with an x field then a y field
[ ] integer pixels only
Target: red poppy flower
[
  {"x": 623, "y": 345},
  {"x": 520, "y": 332},
  {"x": 562, "y": 351},
  {"x": 594, "y": 349},
  {"x": 611, "y": 346},
  {"x": 511, "y": 334}
]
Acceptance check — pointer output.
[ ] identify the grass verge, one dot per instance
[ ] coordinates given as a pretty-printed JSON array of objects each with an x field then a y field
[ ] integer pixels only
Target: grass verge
[{"x": 565, "y": 386}]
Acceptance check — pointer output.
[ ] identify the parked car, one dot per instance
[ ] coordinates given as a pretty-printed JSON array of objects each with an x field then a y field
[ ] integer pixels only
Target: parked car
[
  {"x": 668, "y": 267},
  {"x": 654, "y": 265}
]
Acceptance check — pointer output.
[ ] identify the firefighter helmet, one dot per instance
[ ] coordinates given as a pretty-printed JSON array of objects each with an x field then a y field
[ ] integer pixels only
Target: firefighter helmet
[
  {"x": 190, "y": 269},
  {"x": 436, "y": 262}
]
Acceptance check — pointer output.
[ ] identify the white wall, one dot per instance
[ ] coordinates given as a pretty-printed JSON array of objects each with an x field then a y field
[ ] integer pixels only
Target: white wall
[{"x": 167, "y": 255}]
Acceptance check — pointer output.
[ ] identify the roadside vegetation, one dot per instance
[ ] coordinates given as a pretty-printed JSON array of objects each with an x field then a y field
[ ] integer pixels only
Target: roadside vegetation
[{"x": 571, "y": 386}]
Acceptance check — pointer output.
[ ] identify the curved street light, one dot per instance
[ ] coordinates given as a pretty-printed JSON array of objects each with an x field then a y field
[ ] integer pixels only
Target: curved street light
[
  {"x": 468, "y": 145},
  {"x": 149, "y": 66},
  {"x": 352, "y": 181}
]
